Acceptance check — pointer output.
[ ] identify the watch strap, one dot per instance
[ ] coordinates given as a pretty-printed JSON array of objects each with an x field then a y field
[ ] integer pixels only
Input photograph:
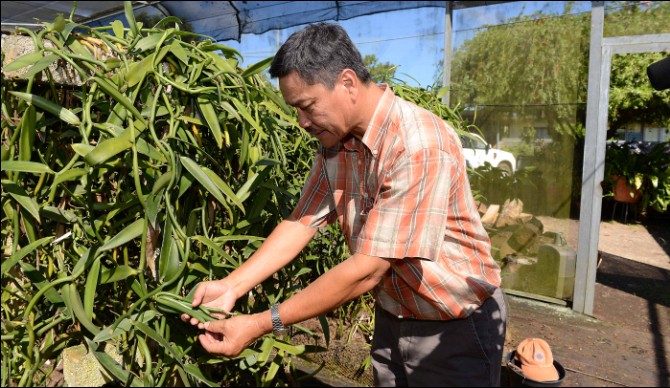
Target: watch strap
[{"x": 277, "y": 325}]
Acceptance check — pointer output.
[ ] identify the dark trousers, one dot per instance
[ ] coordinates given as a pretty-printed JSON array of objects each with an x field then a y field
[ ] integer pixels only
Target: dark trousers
[{"x": 459, "y": 352}]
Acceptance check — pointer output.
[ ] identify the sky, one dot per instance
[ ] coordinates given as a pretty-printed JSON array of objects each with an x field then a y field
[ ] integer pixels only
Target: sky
[{"x": 411, "y": 39}]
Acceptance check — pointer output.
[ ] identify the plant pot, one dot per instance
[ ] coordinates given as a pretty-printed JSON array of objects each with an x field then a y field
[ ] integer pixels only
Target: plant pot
[{"x": 622, "y": 191}]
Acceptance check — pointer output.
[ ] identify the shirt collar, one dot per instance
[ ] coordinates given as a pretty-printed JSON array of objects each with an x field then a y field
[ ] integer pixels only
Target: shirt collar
[
  {"x": 376, "y": 128},
  {"x": 374, "y": 134}
]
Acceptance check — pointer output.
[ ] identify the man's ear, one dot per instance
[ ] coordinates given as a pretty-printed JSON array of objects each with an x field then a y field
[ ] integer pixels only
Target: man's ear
[{"x": 350, "y": 82}]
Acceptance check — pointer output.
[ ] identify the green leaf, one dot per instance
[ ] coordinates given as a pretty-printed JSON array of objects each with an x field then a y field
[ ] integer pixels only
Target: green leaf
[
  {"x": 178, "y": 51},
  {"x": 23, "y": 61},
  {"x": 69, "y": 175},
  {"x": 194, "y": 370},
  {"x": 125, "y": 325},
  {"x": 199, "y": 174},
  {"x": 161, "y": 340},
  {"x": 112, "y": 91},
  {"x": 40, "y": 65},
  {"x": 82, "y": 149},
  {"x": 24, "y": 166},
  {"x": 207, "y": 110},
  {"x": 138, "y": 70},
  {"x": 225, "y": 189},
  {"x": 130, "y": 17},
  {"x": 120, "y": 272},
  {"x": 22, "y": 198},
  {"x": 168, "y": 263},
  {"x": 23, "y": 252},
  {"x": 148, "y": 42},
  {"x": 39, "y": 281},
  {"x": 130, "y": 232},
  {"x": 113, "y": 367},
  {"x": 27, "y": 134},
  {"x": 257, "y": 67},
  {"x": 217, "y": 249},
  {"x": 107, "y": 149},
  {"x": 117, "y": 27},
  {"x": 247, "y": 116},
  {"x": 295, "y": 350},
  {"x": 49, "y": 106},
  {"x": 58, "y": 214}
]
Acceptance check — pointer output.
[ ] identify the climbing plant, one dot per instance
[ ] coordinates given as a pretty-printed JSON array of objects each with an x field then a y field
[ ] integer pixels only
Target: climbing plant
[{"x": 162, "y": 164}]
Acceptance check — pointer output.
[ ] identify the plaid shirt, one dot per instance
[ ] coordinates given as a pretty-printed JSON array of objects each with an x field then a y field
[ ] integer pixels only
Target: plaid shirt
[{"x": 403, "y": 193}]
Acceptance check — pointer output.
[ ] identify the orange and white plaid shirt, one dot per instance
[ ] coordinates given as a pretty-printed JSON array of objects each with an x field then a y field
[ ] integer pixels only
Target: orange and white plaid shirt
[{"x": 403, "y": 193}]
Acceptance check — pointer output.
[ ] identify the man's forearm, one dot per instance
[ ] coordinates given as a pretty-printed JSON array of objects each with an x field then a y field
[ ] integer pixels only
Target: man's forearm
[
  {"x": 279, "y": 249},
  {"x": 348, "y": 280}
]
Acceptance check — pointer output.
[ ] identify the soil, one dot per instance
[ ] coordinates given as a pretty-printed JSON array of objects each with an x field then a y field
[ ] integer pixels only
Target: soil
[{"x": 626, "y": 342}]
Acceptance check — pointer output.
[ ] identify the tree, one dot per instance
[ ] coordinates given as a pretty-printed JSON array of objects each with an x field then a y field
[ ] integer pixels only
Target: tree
[
  {"x": 380, "y": 72},
  {"x": 542, "y": 60}
]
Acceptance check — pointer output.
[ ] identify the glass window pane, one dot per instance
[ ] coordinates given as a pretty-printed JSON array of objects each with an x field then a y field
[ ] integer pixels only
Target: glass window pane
[{"x": 522, "y": 78}]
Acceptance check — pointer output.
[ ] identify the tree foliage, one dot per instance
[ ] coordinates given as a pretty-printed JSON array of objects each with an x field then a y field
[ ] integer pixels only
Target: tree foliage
[
  {"x": 380, "y": 72},
  {"x": 542, "y": 60}
]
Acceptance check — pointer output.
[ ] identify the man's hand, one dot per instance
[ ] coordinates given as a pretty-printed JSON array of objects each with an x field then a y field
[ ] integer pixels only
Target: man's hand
[
  {"x": 215, "y": 294},
  {"x": 229, "y": 337}
]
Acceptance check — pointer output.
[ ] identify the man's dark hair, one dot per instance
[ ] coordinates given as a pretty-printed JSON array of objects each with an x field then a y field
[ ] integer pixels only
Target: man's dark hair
[{"x": 319, "y": 53}]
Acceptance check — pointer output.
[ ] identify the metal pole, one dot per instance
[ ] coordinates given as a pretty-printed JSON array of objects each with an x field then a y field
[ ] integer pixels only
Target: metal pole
[
  {"x": 594, "y": 160},
  {"x": 446, "y": 65}
]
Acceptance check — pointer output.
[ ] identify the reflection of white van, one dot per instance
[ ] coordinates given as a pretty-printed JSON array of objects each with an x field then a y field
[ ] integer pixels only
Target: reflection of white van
[{"x": 477, "y": 152}]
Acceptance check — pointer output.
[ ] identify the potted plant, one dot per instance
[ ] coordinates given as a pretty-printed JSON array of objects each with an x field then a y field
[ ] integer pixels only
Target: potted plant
[{"x": 639, "y": 172}]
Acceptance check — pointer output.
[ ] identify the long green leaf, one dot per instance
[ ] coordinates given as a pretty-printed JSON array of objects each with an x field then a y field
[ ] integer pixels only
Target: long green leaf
[
  {"x": 69, "y": 175},
  {"x": 125, "y": 325},
  {"x": 137, "y": 71},
  {"x": 78, "y": 308},
  {"x": 130, "y": 232},
  {"x": 38, "y": 281},
  {"x": 158, "y": 338},
  {"x": 225, "y": 189},
  {"x": 113, "y": 92},
  {"x": 113, "y": 367},
  {"x": 207, "y": 110},
  {"x": 27, "y": 134},
  {"x": 194, "y": 370},
  {"x": 22, "y": 198},
  {"x": 257, "y": 67},
  {"x": 107, "y": 149},
  {"x": 23, "y": 252},
  {"x": 216, "y": 248},
  {"x": 25, "y": 166},
  {"x": 129, "y": 11},
  {"x": 49, "y": 106},
  {"x": 82, "y": 149},
  {"x": 121, "y": 272},
  {"x": 91, "y": 286},
  {"x": 40, "y": 65},
  {"x": 148, "y": 42},
  {"x": 247, "y": 116},
  {"x": 23, "y": 61},
  {"x": 178, "y": 51},
  {"x": 199, "y": 174}
]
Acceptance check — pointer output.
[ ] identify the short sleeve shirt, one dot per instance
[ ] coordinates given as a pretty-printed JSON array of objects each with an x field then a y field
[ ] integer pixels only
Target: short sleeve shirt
[{"x": 402, "y": 193}]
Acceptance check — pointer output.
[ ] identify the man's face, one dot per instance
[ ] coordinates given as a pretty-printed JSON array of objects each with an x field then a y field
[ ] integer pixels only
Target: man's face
[{"x": 321, "y": 112}]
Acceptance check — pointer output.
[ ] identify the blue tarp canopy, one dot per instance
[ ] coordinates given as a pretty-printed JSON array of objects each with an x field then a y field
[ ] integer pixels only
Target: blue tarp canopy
[{"x": 221, "y": 20}]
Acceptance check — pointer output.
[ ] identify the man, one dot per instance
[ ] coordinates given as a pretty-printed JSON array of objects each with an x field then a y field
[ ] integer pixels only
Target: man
[{"x": 393, "y": 175}]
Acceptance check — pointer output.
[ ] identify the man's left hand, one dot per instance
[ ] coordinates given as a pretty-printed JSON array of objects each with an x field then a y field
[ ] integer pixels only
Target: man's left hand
[{"x": 229, "y": 337}]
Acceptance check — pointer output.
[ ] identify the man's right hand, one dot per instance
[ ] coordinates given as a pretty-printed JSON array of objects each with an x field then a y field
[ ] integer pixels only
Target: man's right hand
[{"x": 215, "y": 294}]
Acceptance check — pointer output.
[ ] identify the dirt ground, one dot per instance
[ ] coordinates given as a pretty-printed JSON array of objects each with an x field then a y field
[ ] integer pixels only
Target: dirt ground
[{"x": 625, "y": 343}]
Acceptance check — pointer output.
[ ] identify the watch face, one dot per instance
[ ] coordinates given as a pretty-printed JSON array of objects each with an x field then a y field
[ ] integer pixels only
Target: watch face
[{"x": 280, "y": 332}]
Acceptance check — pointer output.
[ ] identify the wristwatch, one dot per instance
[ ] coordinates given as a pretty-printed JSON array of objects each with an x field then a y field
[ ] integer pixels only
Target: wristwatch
[{"x": 278, "y": 328}]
